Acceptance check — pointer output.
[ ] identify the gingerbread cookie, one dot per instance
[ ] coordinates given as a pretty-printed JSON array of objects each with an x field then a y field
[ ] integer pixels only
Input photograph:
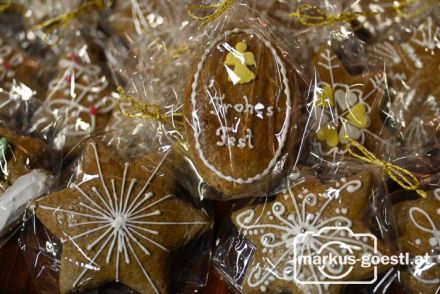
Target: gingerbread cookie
[
  {"x": 20, "y": 178},
  {"x": 379, "y": 17},
  {"x": 17, "y": 68},
  {"x": 80, "y": 99},
  {"x": 348, "y": 107},
  {"x": 241, "y": 119},
  {"x": 298, "y": 222},
  {"x": 414, "y": 61},
  {"x": 119, "y": 222},
  {"x": 418, "y": 112},
  {"x": 418, "y": 222}
]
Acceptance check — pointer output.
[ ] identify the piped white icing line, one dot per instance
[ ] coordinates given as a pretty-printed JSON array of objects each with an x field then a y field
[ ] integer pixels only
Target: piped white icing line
[
  {"x": 123, "y": 222},
  {"x": 286, "y": 126},
  {"x": 79, "y": 82},
  {"x": 8, "y": 63},
  {"x": 284, "y": 226},
  {"x": 345, "y": 97},
  {"x": 14, "y": 200},
  {"x": 434, "y": 241}
]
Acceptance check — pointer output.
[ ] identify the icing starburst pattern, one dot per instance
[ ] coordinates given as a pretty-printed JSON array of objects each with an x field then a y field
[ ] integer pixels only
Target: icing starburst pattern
[
  {"x": 341, "y": 110},
  {"x": 277, "y": 232},
  {"x": 117, "y": 223}
]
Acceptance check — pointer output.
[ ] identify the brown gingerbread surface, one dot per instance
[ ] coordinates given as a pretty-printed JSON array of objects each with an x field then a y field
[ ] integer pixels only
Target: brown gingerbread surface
[
  {"x": 119, "y": 222},
  {"x": 239, "y": 128}
]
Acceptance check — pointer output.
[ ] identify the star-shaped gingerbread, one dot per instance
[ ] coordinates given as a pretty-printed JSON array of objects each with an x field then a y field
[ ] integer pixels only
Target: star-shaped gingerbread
[
  {"x": 418, "y": 222},
  {"x": 304, "y": 220},
  {"x": 412, "y": 63},
  {"x": 119, "y": 222},
  {"x": 347, "y": 107}
]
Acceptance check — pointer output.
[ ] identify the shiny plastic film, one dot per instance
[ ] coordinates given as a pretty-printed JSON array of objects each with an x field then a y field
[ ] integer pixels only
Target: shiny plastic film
[{"x": 220, "y": 146}]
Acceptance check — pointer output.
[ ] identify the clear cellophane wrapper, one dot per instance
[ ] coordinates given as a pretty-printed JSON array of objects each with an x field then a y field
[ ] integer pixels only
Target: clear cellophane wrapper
[
  {"x": 223, "y": 155},
  {"x": 260, "y": 246},
  {"x": 80, "y": 96},
  {"x": 168, "y": 237},
  {"x": 27, "y": 172}
]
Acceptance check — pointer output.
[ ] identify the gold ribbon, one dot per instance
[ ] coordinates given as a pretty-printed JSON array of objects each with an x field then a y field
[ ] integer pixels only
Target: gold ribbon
[
  {"x": 4, "y": 6},
  {"x": 311, "y": 15},
  {"x": 411, "y": 9},
  {"x": 145, "y": 111},
  {"x": 403, "y": 177},
  {"x": 217, "y": 10},
  {"x": 52, "y": 24}
]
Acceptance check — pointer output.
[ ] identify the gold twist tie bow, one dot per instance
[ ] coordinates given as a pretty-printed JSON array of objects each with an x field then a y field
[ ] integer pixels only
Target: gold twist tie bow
[
  {"x": 216, "y": 9},
  {"x": 311, "y": 15},
  {"x": 403, "y": 177},
  {"x": 149, "y": 111},
  {"x": 5, "y": 5},
  {"x": 53, "y": 23}
]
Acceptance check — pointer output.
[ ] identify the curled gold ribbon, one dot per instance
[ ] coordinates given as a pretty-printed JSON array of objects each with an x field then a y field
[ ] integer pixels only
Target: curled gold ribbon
[
  {"x": 145, "y": 111},
  {"x": 5, "y": 5},
  {"x": 52, "y": 24},
  {"x": 403, "y": 177},
  {"x": 217, "y": 10},
  {"x": 413, "y": 8},
  {"x": 311, "y": 15}
]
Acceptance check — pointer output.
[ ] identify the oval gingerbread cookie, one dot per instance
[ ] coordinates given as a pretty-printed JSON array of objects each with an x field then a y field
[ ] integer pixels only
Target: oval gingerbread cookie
[{"x": 241, "y": 111}]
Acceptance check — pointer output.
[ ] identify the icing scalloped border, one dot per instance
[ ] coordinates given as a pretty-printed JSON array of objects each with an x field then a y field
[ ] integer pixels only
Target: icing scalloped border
[{"x": 286, "y": 126}]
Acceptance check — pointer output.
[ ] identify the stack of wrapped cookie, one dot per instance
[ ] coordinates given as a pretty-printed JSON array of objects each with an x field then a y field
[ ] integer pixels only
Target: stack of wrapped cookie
[{"x": 220, "y": 146}]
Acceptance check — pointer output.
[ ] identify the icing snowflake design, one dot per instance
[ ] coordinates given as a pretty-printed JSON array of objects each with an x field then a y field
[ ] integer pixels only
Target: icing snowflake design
[
  {"x": 381, "y": 20},
  {"x": 84, "y": 86},
  {"x": 433, "y": 240},
  {"x": 285, "y": 226},
  {"x": 122, "y": 220},
  {"x": 341, "y": 111},
  {"x": 8, "y": 62}
]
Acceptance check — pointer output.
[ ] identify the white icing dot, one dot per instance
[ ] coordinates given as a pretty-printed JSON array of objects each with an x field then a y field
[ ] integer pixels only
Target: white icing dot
[
  {"x": 263, "y": 288},
  {"x": 255, "y": 232},
  {"x": 286, "y": 197},
  {"x": 266, "y": 283},
  {"x": 432, "y": 241},
  {"x": 338, "y": 210},
  {"x": 365, "y": 239},
  {"x": 300, "y": 196},
  {"x": 268, "y": 212},
  {"x": 343, "y": 234},
  {"x": 418, "y": 241},
  {"x": 271, "y": 278},
  {"x": 271, "y": 217},
  {"x": 270, "y": 251},
  {"x": 344, "y": 210},
  {"x": 438, "y": 211}
]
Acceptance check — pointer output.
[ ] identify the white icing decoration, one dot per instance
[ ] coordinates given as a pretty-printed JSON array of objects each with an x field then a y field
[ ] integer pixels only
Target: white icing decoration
[
  {"x": 8, "y": 63},
  {"x": 345, "y": 97},
  {"x": 280, "y": 234},
  {"x": 388, "y": 52},
  {"x": 121, "y": 219},
  {"x": 286, "y": 127},
  {"x": 79, "y": 82},
  {"x": 429, "y": 35},
  {"x": 14, "y": 200},
  {"x": 433, "y": 240}
]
